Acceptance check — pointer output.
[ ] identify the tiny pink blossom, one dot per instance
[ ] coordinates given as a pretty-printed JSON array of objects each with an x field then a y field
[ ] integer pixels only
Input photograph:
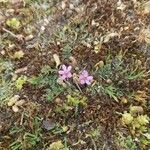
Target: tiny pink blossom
[
  {"x": 65, "y": 72},
  {"x": 85, "y": 78}
]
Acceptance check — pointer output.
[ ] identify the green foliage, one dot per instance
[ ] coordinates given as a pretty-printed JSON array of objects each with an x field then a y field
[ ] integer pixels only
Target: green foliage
[
  {"x": 13, "y": 23},
  {"x": 46, "y": 31},
  {"x": 26, "y": 139},
  {"x": 145, "y": 140},
  {"x": 59, "y": 130},
  {"x": 112, "y": 92},
  {"x": 76, "y": 100},
  {"x": 58, "y": 145},
  {"x": 95, "y": 133},
  {"x": 66, "y": 51},
  {"x": 136, "y": 75},
  {"x": 46, "y": 70},
  {"x": 17, "y": 145},
  {"x": 116, "y": 67},
  {"x": 72, "y": 35},
  {"x": 20, "y": 82},
  {"x": 63, "y": 109},
  {"x": 5, "y": 66},
  {"x": 140, "y": 123},
  {"x": 127, "y": 143},
  {"x": 137, "y": 123},
  {"x": 127, "y": 118},
  {"x": 53, "y": 89},
  {"x": 73, "y": 101},
  {"x": 112, "y": 70},
  {"x": 31, "y": 139},
  {"x": 109, "y": 90},
  {"x": 6, "y": 85},
  {"x": 47, "y": 79},
  {"x": 16, "y": 130},
  {"x": 113, "y": 67},
  {"x": 115, "y": 73},
  {"x": 6, "y": 90},
  {"x": 53, "y": 92},
  {"x": 35, "y": 80}
]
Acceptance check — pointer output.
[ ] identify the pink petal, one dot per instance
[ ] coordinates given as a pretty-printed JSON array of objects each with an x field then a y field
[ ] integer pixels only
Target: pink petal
[
  {"x": 63, "y": 77},
  {"x": 90, "y": 78},
  {"x": 69, "y": 68},
  {"x": 69, "y": 75},
  {"x": 61, "y": 72},
  {"x": 82, "y": 82},
  {"x": 85, "y": 73},
  {"x": 88, "y": 82},
  {"x": 64, "y": 67},
  {"x": 81, "y": 77}
]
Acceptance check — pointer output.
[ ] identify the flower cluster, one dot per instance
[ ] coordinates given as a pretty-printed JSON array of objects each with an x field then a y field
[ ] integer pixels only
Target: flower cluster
[
  {"x": 84, "y": 77},
  {"x": 65, "y": 73}
]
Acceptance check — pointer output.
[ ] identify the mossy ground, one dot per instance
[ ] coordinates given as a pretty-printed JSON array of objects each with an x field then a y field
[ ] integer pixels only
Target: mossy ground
[{"x": 110, "y": 39}]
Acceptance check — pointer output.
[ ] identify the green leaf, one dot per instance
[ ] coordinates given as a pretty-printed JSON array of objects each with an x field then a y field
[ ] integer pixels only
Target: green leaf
[
  {"x": 35, "y": 80},
  {"x": 56, "y": 146},
  {"x": 13, "y": 23},
  {"x": 143, "y": 119},
  {"x": 112, "y": 92},
  {"x": 20, "y": 82},
  {"x": 76, "y": 100},
  {"x": 127, "y": 118},
  {"x": 147, "y": 135}
]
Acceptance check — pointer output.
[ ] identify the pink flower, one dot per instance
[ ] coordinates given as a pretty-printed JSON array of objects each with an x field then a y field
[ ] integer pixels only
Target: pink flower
[
  {"x": 85, "y": 78},
  {"x": 65, "y": 73}
]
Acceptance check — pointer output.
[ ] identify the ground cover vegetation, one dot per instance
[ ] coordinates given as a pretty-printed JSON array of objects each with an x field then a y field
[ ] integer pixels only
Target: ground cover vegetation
[{"x": 74, "y": 75}]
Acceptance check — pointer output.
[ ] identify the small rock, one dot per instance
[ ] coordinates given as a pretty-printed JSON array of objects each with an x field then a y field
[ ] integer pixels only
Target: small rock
[
  {"x": 63, "y": 5},
  {"x": 71, "y": 6},
  {"x": 42, "y": 28},
  {"x": 57, "y": 59},
  {"x": 109, "y": 81},
  {"x": 15, "y": 108},
  {"x": 48, "y": 124},
  {"x": 58, "y": 43},
  {"x": 58, "y": 100},
  {"x": 124, "y": 100},
  {"x": 3, "y": 52},
  {"x": 61, "y": 82},
  {"x": 13, "y": 100},
  {"x": 29, "y": 37},
  {"x": 20, "y": 102},
  {"x": 11, "y": 46},
  {"x": 120, "y": 5},
  {"x": 94, "y": 23},
  {"x": 21, "y": 70}
]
